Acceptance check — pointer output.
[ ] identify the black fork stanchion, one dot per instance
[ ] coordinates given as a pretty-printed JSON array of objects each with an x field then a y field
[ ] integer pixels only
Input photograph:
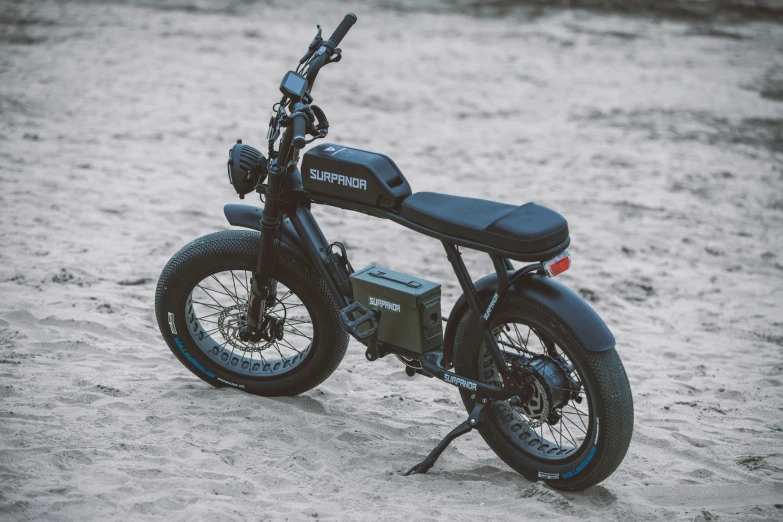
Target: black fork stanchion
[
  {"x": 260, "y": 287},
  {"x": 293, "y": 139},
  {"x": 270, "y": 221}
]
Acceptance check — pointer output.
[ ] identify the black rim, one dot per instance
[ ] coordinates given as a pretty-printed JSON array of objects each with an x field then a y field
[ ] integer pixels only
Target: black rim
[
  {"x": 217, "y": 307},
  {"x": 529, "y": 427}
]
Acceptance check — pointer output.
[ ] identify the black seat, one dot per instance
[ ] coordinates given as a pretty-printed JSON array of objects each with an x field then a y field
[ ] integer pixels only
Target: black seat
[{"x": 526, "y": 229}]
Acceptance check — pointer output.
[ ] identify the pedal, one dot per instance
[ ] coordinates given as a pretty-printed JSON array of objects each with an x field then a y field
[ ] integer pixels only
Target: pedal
[{"x": 356, "y": 315}]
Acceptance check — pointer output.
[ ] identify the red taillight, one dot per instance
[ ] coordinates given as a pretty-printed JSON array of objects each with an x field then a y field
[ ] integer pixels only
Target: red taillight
[{"x": 558, "y": 265}]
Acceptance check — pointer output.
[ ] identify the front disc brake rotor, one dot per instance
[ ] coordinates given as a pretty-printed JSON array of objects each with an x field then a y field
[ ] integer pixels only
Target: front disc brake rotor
[{"x": 230, "y": 321}]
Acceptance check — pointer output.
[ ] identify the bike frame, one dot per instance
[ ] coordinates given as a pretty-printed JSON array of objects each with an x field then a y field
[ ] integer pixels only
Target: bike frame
[
  {"x": 285, "y": 198},
  {"x": 554, "y": 313}
]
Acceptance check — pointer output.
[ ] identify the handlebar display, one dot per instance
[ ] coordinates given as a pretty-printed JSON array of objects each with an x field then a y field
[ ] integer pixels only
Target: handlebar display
[{"x": 294, "y": 85}]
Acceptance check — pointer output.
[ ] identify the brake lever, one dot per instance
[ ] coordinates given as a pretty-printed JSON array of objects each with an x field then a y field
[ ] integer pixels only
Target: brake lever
[{"x": 313, "y": 46}]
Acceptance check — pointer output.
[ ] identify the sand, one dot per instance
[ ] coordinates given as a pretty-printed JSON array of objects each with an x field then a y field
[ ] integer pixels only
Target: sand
[{"x": 659, "y": 139}]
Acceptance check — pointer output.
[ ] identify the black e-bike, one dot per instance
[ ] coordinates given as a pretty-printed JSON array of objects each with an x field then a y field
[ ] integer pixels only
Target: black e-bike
[{"x": 269, "y": 310}]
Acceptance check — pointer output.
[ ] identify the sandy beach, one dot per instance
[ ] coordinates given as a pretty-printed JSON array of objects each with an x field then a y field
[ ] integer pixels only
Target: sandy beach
[{"x": 660, "y": 139}]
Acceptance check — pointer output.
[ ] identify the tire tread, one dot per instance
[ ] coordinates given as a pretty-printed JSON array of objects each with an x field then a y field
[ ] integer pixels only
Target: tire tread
[
  {"x": 240, "y": 243},
  {"x": 616, "y": 421}
]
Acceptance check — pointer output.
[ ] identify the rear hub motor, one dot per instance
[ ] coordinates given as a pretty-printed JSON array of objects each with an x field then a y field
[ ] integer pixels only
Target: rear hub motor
[{"x": 548, "y": 387}]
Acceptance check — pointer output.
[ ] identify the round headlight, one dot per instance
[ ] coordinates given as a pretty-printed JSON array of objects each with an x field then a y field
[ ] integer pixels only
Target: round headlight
[{"x": 246, "y": 168}]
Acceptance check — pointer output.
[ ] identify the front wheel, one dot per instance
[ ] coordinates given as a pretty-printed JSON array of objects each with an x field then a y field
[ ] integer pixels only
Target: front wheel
[
  {"x": 575, "y": 427},
  {"x": 202, "y": 300}
]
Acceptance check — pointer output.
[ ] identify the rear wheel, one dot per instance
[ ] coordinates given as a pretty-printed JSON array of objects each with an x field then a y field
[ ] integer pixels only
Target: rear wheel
[
  {"x": 575, "y": 428},
  {"x": 202, "y": 301}
]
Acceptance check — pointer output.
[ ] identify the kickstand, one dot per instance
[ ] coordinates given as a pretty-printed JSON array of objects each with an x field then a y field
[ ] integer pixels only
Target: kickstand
[{"x": 474, "y": 420}]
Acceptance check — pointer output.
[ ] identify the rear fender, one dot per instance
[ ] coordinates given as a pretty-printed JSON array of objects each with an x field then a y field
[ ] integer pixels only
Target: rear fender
[{"x": 565, "y": 304}]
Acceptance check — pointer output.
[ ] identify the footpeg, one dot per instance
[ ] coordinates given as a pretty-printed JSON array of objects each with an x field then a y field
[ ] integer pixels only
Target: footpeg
[
  {"x": 474, "y": 421},
  {"x": 357, "y": 315}
]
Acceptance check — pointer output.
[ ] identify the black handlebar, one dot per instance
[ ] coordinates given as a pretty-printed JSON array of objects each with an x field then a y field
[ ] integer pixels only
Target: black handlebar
[
  {"x": 299, "y": 123},
  {"x": 342, "y": 29},
  {"x": 299, "y": 120},
  {"x": 330, "y": 45}
]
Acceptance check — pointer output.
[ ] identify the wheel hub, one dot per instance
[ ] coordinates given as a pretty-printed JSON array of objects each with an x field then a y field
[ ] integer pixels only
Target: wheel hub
[
  {"x": 233, "y": 318},
  {"x": 549, "y": 387},
  {"x": 536, "y": 408}
]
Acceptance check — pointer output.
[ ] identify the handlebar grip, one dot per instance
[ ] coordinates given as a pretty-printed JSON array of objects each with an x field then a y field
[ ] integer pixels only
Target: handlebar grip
[
  {"x": 342, "y": 29},
  {"x": 300, "y": 127}
]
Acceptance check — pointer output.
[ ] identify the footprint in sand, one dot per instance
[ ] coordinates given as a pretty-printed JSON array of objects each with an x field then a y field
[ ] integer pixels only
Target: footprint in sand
[{"x": 600, "y": 496}]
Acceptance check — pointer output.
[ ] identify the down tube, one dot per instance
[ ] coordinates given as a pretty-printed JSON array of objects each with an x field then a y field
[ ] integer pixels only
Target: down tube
[{"x": 317, "y": 248}]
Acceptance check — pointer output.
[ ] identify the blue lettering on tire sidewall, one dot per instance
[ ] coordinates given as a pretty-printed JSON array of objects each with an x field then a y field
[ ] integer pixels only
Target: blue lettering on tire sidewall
[
  {"x": 190, "y": 358},
  {"x": 581, "y": 465}
]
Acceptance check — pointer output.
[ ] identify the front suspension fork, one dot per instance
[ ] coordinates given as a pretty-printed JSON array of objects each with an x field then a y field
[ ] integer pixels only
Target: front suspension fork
[{"x": 263, "y": 287}]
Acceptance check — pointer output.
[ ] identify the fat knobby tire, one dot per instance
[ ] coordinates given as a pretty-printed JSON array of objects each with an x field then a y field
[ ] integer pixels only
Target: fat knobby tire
[
  {"x": 610, "y": 395},
  {"x": 238, "y": 250}
]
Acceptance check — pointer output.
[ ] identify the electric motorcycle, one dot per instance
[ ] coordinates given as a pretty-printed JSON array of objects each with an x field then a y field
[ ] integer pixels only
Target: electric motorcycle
[{"x": 269, "y": 309}]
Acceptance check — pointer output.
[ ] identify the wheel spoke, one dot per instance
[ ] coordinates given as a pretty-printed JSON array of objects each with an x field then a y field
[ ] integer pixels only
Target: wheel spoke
[
  {"x": 211, "y": 297},
  {"x": 554, "y": 437},
  {"x": 573, "y": 440},
  {"x": 290, "y": 346},
  {"x": 519, "y": 337},
  {"x": 234, "y": 282},
  {"x": 297, "y": 332},
  {"x": 224, "y": 307},
  {"x": 295, "y": 321},
  {"x": 575, "y": 424},
  {"x": 541, "y": 341},
  {"x": 561, "y": 439},
  {"x": 275, "y": 313},
  {"x": 282, "y": 357},
  {"x": 237, "y": 280},
  {"x": 208, "y": 305},
  {"x": 511, "y": 343},
  {"x": 568, "y": 431},
  {"x": 576, "y": 411},
  {"x": 218, "y": 292},
  {"x": 228, "y": 292}
]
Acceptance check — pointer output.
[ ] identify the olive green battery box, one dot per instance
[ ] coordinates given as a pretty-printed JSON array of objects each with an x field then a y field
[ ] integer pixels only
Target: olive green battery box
[{"x": 410, "y": 307}]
